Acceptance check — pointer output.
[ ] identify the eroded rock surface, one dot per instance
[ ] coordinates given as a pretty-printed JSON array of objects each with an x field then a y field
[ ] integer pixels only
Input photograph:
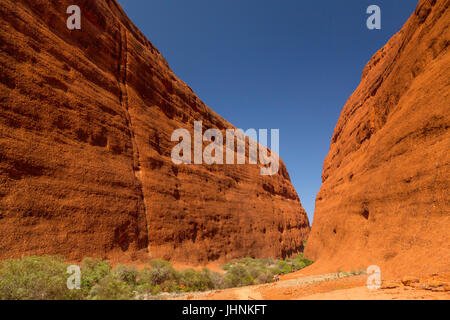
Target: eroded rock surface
[
  {"x": 86, "y": 118},
  {"x": 385, "y": 196}
]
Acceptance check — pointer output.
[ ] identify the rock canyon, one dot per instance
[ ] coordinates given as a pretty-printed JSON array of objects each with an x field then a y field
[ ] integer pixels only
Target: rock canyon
[{"x": 86, "y": 118}]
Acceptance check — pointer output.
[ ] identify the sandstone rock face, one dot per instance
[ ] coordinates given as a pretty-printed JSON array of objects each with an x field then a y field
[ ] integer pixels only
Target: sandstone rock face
[
  {"x": 86, "y": 118},
  {"x": 385, "y": 196}
]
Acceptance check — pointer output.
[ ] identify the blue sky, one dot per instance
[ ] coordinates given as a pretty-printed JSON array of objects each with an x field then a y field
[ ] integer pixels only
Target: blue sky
[{"x": 287, "y": 64}]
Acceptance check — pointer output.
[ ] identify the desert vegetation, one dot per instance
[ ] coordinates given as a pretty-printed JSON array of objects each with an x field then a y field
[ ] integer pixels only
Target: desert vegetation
[{"x": 45, "y": 277}]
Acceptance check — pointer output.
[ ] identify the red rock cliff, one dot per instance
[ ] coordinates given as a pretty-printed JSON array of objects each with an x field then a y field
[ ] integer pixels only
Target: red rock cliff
[
  {"x": 86, "y": 118},
  {"x": 385, "y": 195}
]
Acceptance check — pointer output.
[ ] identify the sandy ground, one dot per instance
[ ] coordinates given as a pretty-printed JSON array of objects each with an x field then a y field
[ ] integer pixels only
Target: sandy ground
[{"x": 335, "y": 287}]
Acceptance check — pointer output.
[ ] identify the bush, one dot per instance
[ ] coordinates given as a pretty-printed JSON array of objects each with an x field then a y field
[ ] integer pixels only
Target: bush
[
  {"x": 260, "y": 270},
  {"x": 112, "y": 287},
  {"x": 237, "y": 276},
  {"x": 226, "y": 266},
  {"x": 128, "y": 275},
  {"x": 300, "y": 262},
  {"x": 46, "y": 277},
  {"x": 35, "y": 278},
  {"x": 148, "y": 288},
  {"x": 191, "y": 280},
  {"x": 265, "y": 277},
  {"x": 145, "y": 276},
  {"x": 218, "y": 280},
  {"x": 160, "y": 272},
  {"x": 170, "y": 286},
  {"x": 284, "y": 267},
  {"x": 92, "y": 272}
]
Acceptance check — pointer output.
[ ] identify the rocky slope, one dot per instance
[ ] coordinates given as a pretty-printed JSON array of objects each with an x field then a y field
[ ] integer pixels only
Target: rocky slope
[
  {"x": 385, "y": 196},
  {"x": 86, "y": 118}
]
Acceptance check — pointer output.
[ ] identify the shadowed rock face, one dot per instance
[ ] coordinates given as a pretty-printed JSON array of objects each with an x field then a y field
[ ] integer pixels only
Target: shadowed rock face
[
  {"x": 85, "y": 141},
  {"x": 385, "y": 196}
]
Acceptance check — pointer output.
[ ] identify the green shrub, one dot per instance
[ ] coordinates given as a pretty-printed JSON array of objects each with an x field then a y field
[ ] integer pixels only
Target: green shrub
[
  {"x": 208, "y": 279},
  {"x": 92, "y": 272},
  {"x": 145, "y": 276},
  {"x": 300, "y": 262},
  {"x": 218, "y": 280},
  {"x": 160, "y": 272},
  {"x": 156, "y": 289},
  {"x": 112, "y": 287},
  {"x": 246, "y": 261},
  {"x": 147, "y": 288},
  {"x": 265, "y": 277},
  {"x": 46, "y": 277},
  {"x": 36, "y": 278},
  {"x": 170, "y": 286},
  {"x": 192, "y": 280},
  {"x": 128, "y": 275},
  {"x": 237, "y": 276},
  {"x": 255, "y": 270},
  {"x": 260, "y": 272},
  {"x": 284, "y": 267},
  {"x": 226, "y": 266}
]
